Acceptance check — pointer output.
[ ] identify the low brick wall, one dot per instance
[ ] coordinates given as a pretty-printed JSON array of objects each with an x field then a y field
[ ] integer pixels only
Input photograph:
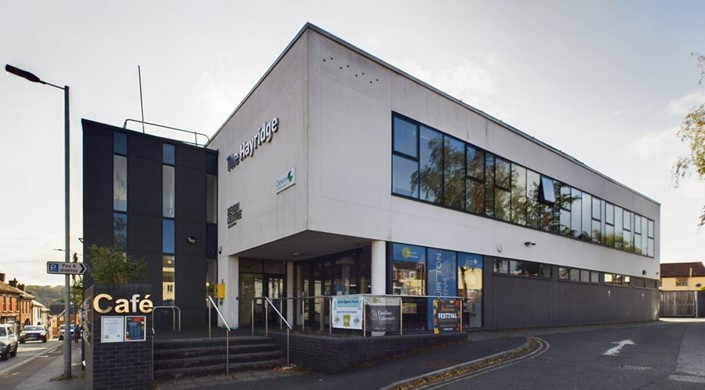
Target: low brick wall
[{"x": 333, "y": 354}]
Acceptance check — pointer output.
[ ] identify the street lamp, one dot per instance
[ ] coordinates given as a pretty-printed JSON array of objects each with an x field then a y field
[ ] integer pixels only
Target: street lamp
[{"x": 31, "y": 77}]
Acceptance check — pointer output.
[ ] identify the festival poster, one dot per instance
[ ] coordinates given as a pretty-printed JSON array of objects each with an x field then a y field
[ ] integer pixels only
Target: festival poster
[{"x": 446, "y": 315}]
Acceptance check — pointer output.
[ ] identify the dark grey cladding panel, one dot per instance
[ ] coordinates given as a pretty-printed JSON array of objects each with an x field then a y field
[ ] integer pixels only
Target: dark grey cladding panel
[
  {"x": 191, "y": 194},
  {"x": 144, "y": 233},
  {"x": 154, "y": 271},
  {"x": 144, "y": 147},
  {"x": 97, "y": 136},
  {"x": 97, "y": 179},
  {"x": 190, "y": 157},
  {"x": 190, "y": 277},
  {"x": 144, "y": 186},
  {"x": 194, "y": 230}
]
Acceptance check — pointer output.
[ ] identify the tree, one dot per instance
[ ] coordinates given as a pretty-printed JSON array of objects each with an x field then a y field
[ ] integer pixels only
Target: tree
[
  {"x": 692, "y": 131},
  {"x": 111, "y": 265},
  {"x": 77, "y": 292}
]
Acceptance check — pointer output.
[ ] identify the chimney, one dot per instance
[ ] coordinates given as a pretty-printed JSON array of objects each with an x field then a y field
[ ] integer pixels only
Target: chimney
[
  {"x": 20, "y": 286},
  {"x": 2, "y": 277},
  {"x": 13, "y": 282}
]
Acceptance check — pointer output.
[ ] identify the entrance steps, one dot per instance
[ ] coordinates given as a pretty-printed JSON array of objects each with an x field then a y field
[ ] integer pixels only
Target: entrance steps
[{"x": 193, "y": 357}]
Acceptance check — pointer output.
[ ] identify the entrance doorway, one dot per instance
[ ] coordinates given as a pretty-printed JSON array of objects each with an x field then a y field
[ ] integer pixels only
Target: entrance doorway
[{"x": 258, "y": 279}]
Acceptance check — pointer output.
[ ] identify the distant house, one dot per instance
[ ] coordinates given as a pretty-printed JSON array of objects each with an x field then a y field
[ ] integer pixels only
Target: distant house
[
  {"x": 15, "y": 303},
  {"x": 682, "y": 276},
  {"x": 682, "y": 293}
]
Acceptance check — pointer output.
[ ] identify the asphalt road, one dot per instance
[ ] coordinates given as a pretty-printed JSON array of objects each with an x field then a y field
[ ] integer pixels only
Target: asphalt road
[
  {"x": 664, "y": 355},
  {"x": 31, "y": 357}
]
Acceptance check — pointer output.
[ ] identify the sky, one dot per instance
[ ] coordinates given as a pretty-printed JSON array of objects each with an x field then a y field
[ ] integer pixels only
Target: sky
[{"x": 607, "y": 82}]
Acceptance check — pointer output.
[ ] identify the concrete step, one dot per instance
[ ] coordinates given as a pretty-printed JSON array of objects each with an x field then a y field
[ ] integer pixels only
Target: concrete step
[
  {"x": 198, "y": 361},
  {"x": 216, "y": 369}
]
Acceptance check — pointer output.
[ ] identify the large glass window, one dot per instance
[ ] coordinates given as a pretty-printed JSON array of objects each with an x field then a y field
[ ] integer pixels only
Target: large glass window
[
  {"x": 454, "y": 172},
  {"x": 518, "y": 202},
  {"x": 119, "y": 183},
  {"x": 475, "y": 181},
  {"x": 168, "y": 190},
  {"x": 576, "y": 216},
  {"x": 211, "y": 199},
  {"x": 120, "y": 231},
  {"x": 534, "y": 208},
  {"x": 405, "y": 137},
  {"x": 431, "y": 165},
  {"x": 618, "y": 229},
  {"x": 168, "y": 236},
  {"x": 502, "y": 198},
  {"x": 408, "y": 269},
  {"x": 168, "y": 279},
  {"x": 565, "y": 204},
  {"x": 168, "y": 155},
  {"x": 596, "y": 220},
  {"x": 119, "y": 143},
  {"x": 405, "y": 176}
]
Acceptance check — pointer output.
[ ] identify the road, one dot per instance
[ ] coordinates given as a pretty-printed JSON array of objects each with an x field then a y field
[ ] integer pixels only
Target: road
[
  {"x": 664, "y": 355},
  {"x": 31, "y": 357}
]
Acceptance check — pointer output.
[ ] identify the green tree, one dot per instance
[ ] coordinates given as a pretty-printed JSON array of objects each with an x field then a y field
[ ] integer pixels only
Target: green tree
[
  {"x": 692, "y": 131},
  {"x": 110, "y": 265},
  {"x": 77, "y": 292}
]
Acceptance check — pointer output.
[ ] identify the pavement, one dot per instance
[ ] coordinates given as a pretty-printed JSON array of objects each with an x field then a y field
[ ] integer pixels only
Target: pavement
[{"x": 480, "y": 345}]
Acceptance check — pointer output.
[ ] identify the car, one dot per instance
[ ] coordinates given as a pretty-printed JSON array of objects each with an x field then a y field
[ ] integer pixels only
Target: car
[
  {"x": 33, "y": 333},
  {"x": 8, "y": 341},
  {"x": 72, "y": 327}
]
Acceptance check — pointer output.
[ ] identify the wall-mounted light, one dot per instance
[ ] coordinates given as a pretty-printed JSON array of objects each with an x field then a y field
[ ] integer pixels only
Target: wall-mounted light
[
  {"x": 643, "y": 272},
  {"x": 529, "y": 243},
  {"x": 191, "y": 239}
]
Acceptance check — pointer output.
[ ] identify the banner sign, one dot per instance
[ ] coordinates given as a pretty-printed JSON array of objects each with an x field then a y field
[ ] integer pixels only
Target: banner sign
[
  {"x": 441, "y": 277},
  {"x": 446, "y": 315},
  {"x": 134, "y": 328},
  {"x": 412, "y": 253},
  {"x": 382, "y": 314},
  {"x": 347, "y": 312}
]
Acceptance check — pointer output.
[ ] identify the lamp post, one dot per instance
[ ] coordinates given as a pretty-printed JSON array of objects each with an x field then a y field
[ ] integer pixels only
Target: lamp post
[{"x": 31, "y": 77}]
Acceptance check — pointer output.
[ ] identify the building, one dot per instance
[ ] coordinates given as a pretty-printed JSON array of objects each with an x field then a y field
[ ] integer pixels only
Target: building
[
  {"x": 682, "y": 290},
  {"x": 341, "y": 174},
  {"x": 682, "y": 276},
  {"x": 15, "y": 303}
]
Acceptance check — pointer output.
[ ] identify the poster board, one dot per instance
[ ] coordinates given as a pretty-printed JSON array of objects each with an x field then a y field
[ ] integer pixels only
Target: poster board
[
  {"x": 347, "y": 312},
  {"x": 112, "y": 329},
  {"x": 135, "y": 328},
  {"x": 382, "y": 314},
  {"x": 446, "y": 315}
]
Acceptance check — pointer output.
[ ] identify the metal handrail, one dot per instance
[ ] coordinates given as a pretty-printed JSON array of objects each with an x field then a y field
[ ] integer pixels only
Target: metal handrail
[
  {"x": 173, "y": 309},
  {"x": 227, "y": 332},
  {"x": 195, "y": 133},
  {"x": 266, "y": 325}
]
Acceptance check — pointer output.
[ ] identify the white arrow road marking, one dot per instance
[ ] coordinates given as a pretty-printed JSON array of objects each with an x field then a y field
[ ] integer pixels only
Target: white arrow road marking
[{"x": 614, "y": 351}]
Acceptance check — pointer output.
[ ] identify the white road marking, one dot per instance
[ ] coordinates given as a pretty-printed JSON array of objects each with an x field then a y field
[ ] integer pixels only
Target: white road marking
[
  {"x": 614, "y": 351},
  {"x": 687, "y": 378}
]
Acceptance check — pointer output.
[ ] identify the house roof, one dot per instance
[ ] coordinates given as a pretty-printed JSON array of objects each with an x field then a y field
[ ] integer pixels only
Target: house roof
[
  {"x": 6, "y": 288},
  {"x": 672, "y": 270}
]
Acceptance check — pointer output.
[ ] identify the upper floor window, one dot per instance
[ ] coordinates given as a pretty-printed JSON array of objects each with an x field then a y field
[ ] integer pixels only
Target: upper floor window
[{"x": 681, "y": 282}]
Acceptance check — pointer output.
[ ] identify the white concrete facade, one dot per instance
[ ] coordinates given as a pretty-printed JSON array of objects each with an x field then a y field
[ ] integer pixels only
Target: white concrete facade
[{"x": 334, "y": 106}]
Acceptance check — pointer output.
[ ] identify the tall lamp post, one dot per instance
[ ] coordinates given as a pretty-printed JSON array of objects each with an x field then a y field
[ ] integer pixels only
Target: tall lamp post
[{"x": 67, "y": 339}]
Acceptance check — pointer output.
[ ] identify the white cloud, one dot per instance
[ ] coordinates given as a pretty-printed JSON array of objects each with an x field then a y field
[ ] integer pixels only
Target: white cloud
[{"x": 683, "y": 105}]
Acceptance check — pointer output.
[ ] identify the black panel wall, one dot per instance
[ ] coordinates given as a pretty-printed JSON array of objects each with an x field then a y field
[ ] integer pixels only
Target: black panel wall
[
  {"x": 144, "y": 210},
  {"x": 524, "y": 302}
]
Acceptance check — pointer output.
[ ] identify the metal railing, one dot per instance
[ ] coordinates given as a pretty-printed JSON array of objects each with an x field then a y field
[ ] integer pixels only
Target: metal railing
[
  {"x": 281, "y": 318},
  {"x": 174, "y": 310},
  {"x": 414, "y": 313},
  {"x": 227, "y": 332}
]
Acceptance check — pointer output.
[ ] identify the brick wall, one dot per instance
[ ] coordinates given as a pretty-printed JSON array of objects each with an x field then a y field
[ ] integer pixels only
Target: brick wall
[
  {"x": 124, "y": 365},
  {"x": 326, "y": 354}
]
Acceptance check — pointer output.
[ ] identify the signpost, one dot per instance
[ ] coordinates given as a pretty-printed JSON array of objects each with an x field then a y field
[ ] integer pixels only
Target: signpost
[{"x": 60, "y": 267}]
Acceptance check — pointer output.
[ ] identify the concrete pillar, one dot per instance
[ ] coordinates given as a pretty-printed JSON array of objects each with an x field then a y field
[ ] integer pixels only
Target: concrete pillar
[
  {"x": 229, "y": 273},
  {"x": 379, "y": 267}
]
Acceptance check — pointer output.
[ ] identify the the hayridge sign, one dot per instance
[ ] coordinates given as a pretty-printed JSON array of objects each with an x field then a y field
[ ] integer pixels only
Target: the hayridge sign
[{"x": 247, "y": 148}]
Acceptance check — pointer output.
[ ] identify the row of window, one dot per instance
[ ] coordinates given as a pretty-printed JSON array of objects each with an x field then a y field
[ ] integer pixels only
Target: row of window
[
  {"x": 434, "y": 167},
  {"x": 540, "y": 270}
]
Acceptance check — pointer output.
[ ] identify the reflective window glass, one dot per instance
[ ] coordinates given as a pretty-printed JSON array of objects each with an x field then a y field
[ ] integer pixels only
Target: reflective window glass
[
  {"x": 594, "y": 277},
  {"x": 584, "y": 276},
  {"x": 119, "y": 143},
  {"x": 516, "y": 267},
  {"x": 650, "y": 247},
  {"x": 168, "y": 279},
  {"x": 119, "y": 183},
  {"x": 168, "y": 236},
  {"x": 475, "y": 199},
  {"x": 405, "y": 137},
  {"x": 533, "y": 208},
  {"x": 609, "y": 213},
  {"x": 518, "y": 202},
  {"x": 650, "y": 229},
  {"x": 502, "y": 173},
  {"x": 120, "y": 231},
  {"x": 596, "y": 209},
  {"x": 431, "y": 165},
  {"x": 476, "y": 162},
  {"x": 574, "y": 275},
  {"x": 168, "y": 186},
  {"x": 405, "y": 176},
  {"x": 576, "y": 213},
  {"x": 502, "y": 204},
  {"x": 168, "y": 154},
  {"x": 211, "y": 199},
  {"x": 454, "y": 173},
  {"x": 489, "y": 184},
  {"x": 547, "y": 193},
  {"x": 618, "y": 230},
  {"x": 545, "y": 271},
  {"x": 596, "y": 232},
  {"x": 586, "y": 233},
  {"x": 501, "y": 266},
  {"x": 532, "y": 269}
]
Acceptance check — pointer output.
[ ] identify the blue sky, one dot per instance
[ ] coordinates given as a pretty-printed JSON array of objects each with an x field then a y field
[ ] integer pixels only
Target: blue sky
[{"x": 606, "y": 82}]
